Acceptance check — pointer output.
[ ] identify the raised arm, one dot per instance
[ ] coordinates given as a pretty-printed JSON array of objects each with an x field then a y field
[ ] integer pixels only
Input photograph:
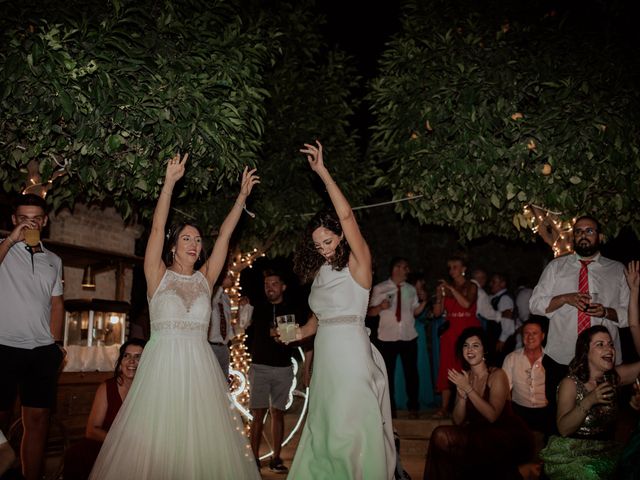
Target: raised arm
[
  {"x": 360, "y": 261},
  {"x": 632, "y": 273},
  {"x": 154, "y": 267},
  {"x": 212, "y": 268}
]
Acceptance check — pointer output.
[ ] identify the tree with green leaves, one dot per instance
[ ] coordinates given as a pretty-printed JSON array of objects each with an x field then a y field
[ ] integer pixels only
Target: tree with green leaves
[
  {"x": 486, "y": 107},
  {"x": 106, "y": 92}
]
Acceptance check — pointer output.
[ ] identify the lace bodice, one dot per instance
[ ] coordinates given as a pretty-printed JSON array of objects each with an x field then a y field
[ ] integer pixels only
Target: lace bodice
[{"x": 181, "y": 304}]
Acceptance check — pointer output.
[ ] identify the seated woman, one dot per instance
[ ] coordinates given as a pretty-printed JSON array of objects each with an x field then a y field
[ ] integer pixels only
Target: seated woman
[
  {"x": 487, "y": 438},
  {"x": 587, "y": 411},
  {"x": 79, "y": 459}
]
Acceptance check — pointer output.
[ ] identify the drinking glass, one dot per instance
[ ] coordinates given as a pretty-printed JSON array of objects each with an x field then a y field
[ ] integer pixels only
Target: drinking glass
[
  {"x": 286, "y": 328},
  {"x": 31, "y": 236}
]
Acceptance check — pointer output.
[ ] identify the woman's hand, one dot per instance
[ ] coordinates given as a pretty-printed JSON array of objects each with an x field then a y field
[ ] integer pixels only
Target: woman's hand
[
  {"x": 632, "y": 273},
  {"x": 602, "y": 394},
  {"x": 175, "y": 168},
  {"x": 460, "y": 380},
  {"x": 314, "y": 156},
  {"x": 249, "y": 179}
]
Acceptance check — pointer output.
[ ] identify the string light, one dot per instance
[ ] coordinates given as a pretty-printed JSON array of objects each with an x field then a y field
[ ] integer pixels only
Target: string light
[
  {"x": 240, "y": 386},
  {"x": 548, "y": 224}
]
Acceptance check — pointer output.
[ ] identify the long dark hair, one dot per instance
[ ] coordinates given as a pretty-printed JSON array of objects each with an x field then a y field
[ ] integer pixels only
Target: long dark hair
[
  {"x": 466, "y": 334},
  {"x": 306, "y": 259},
  {"x": 579, "y": 366},
  {"x": 123, "y": 349},
  {"x": 172, "y": 238}
]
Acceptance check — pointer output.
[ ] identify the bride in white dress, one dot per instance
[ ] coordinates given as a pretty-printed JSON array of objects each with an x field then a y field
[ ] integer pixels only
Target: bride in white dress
[
  {"x": 348, "y": 433},
  {"x": 177, "y": 421}
]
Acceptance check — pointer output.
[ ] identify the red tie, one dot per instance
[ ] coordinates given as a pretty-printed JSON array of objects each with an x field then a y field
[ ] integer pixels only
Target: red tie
[
  {"x": 223, "y": 322},
  {"x": 399, "y": 304},
  {"x": 584, "y": 320}
]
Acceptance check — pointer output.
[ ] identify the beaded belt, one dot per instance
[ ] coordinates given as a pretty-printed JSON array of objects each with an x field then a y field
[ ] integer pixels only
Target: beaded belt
[{"x": 346, "y": 319}]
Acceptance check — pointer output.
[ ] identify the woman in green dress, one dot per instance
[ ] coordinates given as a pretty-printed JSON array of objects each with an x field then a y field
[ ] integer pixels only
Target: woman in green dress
[{"x": 587, "y": 411}]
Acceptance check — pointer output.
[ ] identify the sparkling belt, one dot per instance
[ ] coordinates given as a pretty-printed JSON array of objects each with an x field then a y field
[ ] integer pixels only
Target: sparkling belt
[
  {"x": 346, "y": 319},
  {"x": 180, "y": 326}
]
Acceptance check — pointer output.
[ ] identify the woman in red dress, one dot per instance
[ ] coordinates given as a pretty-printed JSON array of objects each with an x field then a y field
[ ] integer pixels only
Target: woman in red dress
[{"x": 457, "y": 301}]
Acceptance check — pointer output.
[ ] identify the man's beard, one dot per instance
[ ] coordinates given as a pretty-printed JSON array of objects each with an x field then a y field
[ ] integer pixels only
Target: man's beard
[{"x": 586, "y": 250}]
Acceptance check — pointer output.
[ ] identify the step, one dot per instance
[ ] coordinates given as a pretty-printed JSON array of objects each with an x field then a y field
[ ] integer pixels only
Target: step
[
  {"x": 417, "y": 428},
  {"x": 413, "y": 446}
]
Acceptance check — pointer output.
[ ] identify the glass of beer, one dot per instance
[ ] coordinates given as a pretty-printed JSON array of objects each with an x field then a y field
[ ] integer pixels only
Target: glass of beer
[{"x": 31, "y": 236}]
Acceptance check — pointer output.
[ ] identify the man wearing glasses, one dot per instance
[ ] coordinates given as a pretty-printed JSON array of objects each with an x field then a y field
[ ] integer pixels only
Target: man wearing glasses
[{"x": 576, "y": 291}]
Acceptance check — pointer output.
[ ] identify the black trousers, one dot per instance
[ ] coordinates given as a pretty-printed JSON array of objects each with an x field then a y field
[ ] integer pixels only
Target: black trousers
[
  {"x": 408, "y": 351},
  {"x": 554, "y": 372}
]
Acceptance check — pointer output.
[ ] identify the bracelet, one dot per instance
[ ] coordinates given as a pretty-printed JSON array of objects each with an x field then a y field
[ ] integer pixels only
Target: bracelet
[
  {"x": 165, "y": 192},
  {"x": 468, "y": 392},
  {"x": 329, "y": 183},
  {"x": 582, "y": 409}
]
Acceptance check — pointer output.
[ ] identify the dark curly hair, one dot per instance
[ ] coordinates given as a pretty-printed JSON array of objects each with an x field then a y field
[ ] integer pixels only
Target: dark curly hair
[
  {"x": 306, "y": 259},
  {"x": 466, "y": 334},
  {"x": 579, "y": 366},
  {"x": 172, "y": 238},
  {"x": 117, "y": 374}
]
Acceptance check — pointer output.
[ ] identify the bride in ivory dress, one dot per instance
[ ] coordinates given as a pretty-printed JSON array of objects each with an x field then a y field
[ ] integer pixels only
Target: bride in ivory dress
[
  {"x": 348, "y": 432},
  {"x": 177, "y": 421}
]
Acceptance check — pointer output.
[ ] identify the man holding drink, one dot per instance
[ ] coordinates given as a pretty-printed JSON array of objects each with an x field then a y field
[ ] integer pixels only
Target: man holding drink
[
  {"x": 577, "y": 291},
  {"x": 271, "y": 371},
  {"x": 31, "y": 324}
]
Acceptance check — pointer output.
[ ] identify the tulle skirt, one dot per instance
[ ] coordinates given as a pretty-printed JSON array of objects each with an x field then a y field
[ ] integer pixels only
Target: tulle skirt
[{"x": 177, "y": 421}]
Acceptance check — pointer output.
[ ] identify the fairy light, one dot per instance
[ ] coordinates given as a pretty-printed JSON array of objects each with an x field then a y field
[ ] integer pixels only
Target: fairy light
[
  {"x": 240, "y": 386},
  {"x": 240, "y": 357},
  {"x": 552, "y": 229}
]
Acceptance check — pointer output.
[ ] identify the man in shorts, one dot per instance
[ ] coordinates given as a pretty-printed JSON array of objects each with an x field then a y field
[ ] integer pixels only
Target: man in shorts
[
  {"x": 271, "y": 372},
  {"x": 31, "y": 329}
]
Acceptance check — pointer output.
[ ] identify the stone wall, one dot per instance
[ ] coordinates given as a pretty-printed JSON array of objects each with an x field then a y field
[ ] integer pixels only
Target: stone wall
[{"x": 102, "y": 229}]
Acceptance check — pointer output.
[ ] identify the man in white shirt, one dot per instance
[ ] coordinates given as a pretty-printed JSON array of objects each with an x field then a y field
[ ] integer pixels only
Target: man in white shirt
[
  {"x": 220, "y": 329},
  {"x": 31, "y": 324},
  {"x": 526, "y": 376},
  {"x": 576, "y": 291},
  {"x": 397, "y": 304},
  {"x": 489, "y": 317}
]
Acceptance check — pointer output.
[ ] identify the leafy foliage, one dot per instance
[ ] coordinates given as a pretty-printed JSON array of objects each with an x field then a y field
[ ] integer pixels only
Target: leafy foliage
[
  {"x": 111, "y": 90},
  {"x": 483, "y": 112},
  {"x": 310, "y": 98}
]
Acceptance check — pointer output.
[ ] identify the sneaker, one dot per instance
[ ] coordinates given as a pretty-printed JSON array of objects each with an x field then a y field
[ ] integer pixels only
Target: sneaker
[{"x": 276, "y": 465}]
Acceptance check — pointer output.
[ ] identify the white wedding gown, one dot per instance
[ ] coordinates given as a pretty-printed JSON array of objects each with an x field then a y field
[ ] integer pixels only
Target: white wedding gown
[
  {"x": 177, "y": 422},
  {"x": 348, "y": 434}
]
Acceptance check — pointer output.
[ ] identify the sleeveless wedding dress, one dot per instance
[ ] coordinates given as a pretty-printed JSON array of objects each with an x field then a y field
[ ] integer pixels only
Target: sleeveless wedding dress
[
  {"x": 177, "y": 422},
  {"x": 348, "y": 433}
]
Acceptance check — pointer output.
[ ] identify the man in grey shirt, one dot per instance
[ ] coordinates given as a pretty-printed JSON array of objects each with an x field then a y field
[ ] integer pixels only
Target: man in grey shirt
[{"x": 31, "y": 324}]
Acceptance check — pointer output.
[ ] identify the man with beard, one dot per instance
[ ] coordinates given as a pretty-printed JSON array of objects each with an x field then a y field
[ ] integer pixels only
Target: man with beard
[
  {"x": 576, "y": 291},
  {"x": 271, "y": 371}
]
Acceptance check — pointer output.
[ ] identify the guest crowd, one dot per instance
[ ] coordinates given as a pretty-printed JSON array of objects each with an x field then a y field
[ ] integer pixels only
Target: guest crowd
[{"x": 528, "y": 375}]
